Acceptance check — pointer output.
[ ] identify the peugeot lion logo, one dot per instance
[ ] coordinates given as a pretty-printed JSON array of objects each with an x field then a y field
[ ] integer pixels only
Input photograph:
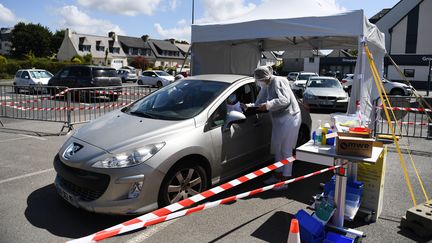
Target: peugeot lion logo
[{"x": 72, "y": 149}]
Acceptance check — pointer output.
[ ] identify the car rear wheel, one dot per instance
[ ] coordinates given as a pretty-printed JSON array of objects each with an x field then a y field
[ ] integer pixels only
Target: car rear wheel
[
  {"x": 17, "y": 90},
  {"x": 159, "y": 84},
  {"x": 182, "y": 181},
  {"x": 140, "y": 82}
]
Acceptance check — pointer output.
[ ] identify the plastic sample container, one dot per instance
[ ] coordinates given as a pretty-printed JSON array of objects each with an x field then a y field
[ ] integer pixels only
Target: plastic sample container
[
  {"x": 332, "y": 237},
  {"x": 311, "y": 229}
]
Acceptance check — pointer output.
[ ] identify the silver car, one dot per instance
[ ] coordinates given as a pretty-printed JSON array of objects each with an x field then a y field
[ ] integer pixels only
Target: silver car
[
  {"x": 325, "y": 92},
  {"x": 172, "y": 144},
  {"x": 155, "y": 78}
]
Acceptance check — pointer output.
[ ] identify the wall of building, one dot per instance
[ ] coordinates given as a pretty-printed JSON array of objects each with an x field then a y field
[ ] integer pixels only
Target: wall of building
[
  {"x": 312, "y": 64},
  {"x": 420, "y": 73},
  {"x": 398, "y": 37},
  {"x": 424, "y": 38}
]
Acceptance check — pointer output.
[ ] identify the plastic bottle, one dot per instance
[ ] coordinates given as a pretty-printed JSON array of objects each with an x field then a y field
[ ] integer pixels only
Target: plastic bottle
[
  {"x": 325, "y": 129},
  {"x": 318, "y": 134}
]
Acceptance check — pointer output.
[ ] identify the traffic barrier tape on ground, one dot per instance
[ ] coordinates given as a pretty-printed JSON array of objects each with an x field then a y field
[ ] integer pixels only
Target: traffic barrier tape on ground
[
  {"x": 13, "y": 103},
  {"x": 136, "y": 223},
  {"x": 22, "y": 108},
  {"x": 192, "y": 200},
  {"x": 406, "y": 109}
]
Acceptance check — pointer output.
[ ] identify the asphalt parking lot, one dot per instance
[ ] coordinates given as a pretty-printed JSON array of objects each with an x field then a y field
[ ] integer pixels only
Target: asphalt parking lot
[{"x": 31, "y": 211}]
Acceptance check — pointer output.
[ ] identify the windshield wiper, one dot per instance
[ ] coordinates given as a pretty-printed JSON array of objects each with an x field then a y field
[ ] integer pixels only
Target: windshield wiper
[{"x": 142, "y": 114}]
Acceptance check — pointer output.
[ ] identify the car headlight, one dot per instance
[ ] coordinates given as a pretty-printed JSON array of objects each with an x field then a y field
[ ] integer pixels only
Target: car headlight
[
  {"x": 135, "y": 157},
  {"x": 342, "y": 97},
  {"x": 309, "y": 96}
]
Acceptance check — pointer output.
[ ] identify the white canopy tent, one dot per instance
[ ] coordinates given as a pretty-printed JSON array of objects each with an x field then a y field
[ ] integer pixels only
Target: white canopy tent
[{"x": 235, "y": 46}]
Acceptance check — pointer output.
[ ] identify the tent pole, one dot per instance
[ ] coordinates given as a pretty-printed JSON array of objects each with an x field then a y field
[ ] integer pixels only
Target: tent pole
[{"x": 362, "y": 43}]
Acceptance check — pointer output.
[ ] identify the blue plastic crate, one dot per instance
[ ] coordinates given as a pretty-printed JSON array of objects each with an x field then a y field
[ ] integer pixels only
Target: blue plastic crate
[
  {"x": 311, "y": 229},
  {"x": 332, "y": 237}
]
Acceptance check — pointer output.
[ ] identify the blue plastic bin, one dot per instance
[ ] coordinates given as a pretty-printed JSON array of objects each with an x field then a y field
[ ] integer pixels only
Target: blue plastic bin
[
  {"x": 332, "y": 237},
  {"x": 311, "y": 230}
]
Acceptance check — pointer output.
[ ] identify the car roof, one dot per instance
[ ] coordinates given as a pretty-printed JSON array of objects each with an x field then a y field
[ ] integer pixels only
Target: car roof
[
  {"x": 307, "y": 73},
  {"x": 227, "y": 78},
  {"x": 322, "y": 77},
  {"x": 31, "y": 69}
]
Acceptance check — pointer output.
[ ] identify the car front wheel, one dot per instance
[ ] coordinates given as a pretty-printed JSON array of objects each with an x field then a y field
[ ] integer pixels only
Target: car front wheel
[
  {"x": 140, "y": 82},
  {"x": 159, "y": 84},
  {"x": 182, "y": 181}
]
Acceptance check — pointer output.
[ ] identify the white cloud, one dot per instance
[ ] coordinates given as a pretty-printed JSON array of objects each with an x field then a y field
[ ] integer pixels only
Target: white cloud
[
  {"x": 75, "y": 19},
  {"x": 6, "y": 14},
  {"x": 217, "y": 10},
  {"x": 181, "y": 32},
  {"x": 124, "y": 7}
]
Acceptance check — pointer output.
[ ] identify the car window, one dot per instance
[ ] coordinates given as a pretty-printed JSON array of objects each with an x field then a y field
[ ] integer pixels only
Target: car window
[
  {"x": 162, "y": 73},
  {"x": 40, "y": 74},
  {"x": 324, "y": 83},
  {"x": 64, "y": 73},
  {"x": 147, "y": 74},
  {"x": 18, "y": 74},
  {"x": 178, "y": 101},
  {"x": 305, "y": 76},
  {"x": 98, "y": 72},
  {"x": 24, "y": 74}
]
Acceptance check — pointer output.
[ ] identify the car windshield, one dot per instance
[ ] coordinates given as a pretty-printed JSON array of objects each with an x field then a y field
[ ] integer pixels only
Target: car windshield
[
  {"x": 305, "y": 76},
  {"x": 324, "y": 83},
  {"x": 162, "y": 73},
  {"x": 104, "y": 73},
  {"x": 40, "y": 74},
  {"x": 180, "y": 100}
]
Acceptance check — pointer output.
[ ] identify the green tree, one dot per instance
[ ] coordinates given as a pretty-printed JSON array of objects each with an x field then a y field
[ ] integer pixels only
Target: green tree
[
  {"x": 31, "y": 37},
  {"x": 3, "y": 60},
  {"x": 56, "y": 40},
  {"x": 77, "y": 59},
  {"x": 88, "y": 58}
]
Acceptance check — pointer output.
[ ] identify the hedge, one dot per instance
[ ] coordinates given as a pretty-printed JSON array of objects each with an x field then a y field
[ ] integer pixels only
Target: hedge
[{"x": 9, "y": 69}]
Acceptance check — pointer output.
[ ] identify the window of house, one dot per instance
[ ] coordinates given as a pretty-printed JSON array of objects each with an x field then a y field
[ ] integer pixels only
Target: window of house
[
  {"x": 100, "y": 48},
  {"x": 409, "y": 73},
  {"x": 84, "y": 48},
  {"x": 311, "y": 59},
  {"x": 139, "y": 52},
  {"x": 114, "y": 49}
]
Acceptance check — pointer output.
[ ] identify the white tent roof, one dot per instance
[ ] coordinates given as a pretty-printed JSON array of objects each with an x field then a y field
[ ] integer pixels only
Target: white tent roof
[{"x": 235, "y": 46}]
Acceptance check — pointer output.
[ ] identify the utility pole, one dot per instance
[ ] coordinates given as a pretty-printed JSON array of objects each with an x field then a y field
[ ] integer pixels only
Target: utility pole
[
  {"x": 429, "y": 78},
  {"x": 193, "y": 10}
]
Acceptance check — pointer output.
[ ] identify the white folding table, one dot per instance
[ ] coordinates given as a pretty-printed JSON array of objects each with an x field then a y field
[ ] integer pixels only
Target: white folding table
[{"x": 326, "y": 155}]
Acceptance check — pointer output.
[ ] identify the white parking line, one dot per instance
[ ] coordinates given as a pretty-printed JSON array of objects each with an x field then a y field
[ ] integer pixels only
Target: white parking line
[
  {"x": 26, "y": 175},
  {"x": 148, "y": 232},
  {"x": 21, "y": 138}
]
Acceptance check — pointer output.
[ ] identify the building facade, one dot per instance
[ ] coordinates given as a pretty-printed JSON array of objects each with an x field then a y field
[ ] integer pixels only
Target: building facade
[
  {"x": 105, "y": 50},
  {"x": 408, "y": 40}
]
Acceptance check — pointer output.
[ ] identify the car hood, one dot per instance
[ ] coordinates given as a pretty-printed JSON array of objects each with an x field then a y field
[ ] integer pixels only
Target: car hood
[
  {"x": 41, "y": 80},
  {"x": 326, "y": 92},
  {"x": 118, "y": 130},
  {"x": 300, "y": 81}
]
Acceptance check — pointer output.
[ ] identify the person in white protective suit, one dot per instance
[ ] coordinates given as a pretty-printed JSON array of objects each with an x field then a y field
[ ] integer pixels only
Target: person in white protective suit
[{"x": 277, "y": 97}]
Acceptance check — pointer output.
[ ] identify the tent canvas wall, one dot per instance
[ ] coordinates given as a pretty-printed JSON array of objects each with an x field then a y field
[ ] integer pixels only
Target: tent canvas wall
[{"x": 235, "y": 46}]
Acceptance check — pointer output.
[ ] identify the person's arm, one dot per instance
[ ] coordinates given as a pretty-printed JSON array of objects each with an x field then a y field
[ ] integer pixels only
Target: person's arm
[
  {"x": 262, "y": 96},
  {"x": 282, "y": 99}
]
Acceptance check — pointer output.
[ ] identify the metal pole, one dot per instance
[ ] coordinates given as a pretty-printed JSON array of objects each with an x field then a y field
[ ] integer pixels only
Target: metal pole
[
  {"x": 193, "y": 10},
  {"x": 429, "y": 79}
]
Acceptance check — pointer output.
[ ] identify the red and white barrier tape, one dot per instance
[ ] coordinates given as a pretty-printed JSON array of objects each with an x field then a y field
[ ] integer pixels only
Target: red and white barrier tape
[
  {"x": 185, "y": 203},
  {"x": 13, "y": 103},
  {"x": 22, "y": 108},
  {"x": 406, "y": 109},
  {"x": 137, "y": 224},
  {"x": 117, "y": 93},
  {"x": 412, "y": 123}
]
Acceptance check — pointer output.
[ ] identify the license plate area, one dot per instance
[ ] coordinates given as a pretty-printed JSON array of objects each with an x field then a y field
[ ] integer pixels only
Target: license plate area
[{"x": 67, "y": 196}]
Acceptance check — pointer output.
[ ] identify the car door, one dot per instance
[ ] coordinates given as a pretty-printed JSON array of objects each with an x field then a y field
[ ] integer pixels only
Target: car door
[
  {"x": 18, "y": 80},
  {"x": 147, "y": 78},
  {"x": 25, "y": 78},
  {"x": 243, "y": 144}
]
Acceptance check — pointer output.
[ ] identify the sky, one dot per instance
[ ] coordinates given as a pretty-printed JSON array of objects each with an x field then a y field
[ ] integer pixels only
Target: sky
[{"x": 160, "y": 19}]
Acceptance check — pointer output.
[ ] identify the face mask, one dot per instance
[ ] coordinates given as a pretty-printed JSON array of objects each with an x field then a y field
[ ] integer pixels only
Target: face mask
[{"x": 232, "y": 99}]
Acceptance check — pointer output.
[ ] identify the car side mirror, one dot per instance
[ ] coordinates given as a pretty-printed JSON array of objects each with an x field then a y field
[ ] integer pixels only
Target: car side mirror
[{"x": 233, "y": 117}]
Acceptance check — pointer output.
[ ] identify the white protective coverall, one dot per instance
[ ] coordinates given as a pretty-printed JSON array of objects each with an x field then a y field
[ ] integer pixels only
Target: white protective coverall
[{"x": 286, "y": 118}]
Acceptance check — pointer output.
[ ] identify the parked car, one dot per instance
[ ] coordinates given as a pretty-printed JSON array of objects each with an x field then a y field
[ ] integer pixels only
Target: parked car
[
  {"x": 172, "y": 144},
  {"x": 325, "y": 92},
  {"x": 155, "y": 78},
  {"x": 84, "y": 76},
  {"x": 292, "y": 76},
  {"x": 299, "y": 84},
  {"x": 391, "y": 88},
  {"x": 31, "y": 80},
  {"x": 127, "y": 74}
]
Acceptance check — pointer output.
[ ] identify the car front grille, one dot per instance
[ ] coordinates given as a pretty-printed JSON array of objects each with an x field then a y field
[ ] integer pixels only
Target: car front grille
[
  {"x": 87, "y": 185},
  {"x": 327, "y": 97}
]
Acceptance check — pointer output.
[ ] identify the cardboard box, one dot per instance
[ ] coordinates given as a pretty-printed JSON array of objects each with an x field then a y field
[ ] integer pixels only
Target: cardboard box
[{"x": 354, "y": 144}]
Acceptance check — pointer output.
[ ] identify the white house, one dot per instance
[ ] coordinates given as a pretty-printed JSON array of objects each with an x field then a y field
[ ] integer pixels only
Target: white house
[{"x": 105, "y": 50}]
